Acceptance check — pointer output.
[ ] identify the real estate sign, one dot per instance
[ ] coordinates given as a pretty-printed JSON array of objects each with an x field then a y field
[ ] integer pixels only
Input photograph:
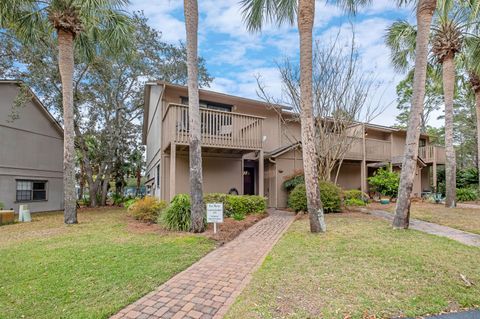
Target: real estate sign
[{"x": 215, "y": 213}]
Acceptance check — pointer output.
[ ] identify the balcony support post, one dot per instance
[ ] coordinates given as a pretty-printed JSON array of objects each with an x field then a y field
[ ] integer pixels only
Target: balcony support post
[
  {"x": 261, "y": 174},
  {"x": 434, "y": 169},
  {"x": 173, "y": 160},
  {"x": 363, "y": 164}
]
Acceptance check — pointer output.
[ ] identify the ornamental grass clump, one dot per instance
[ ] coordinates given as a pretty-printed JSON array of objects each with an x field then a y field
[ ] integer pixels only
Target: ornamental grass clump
[{"x": 177, "y": 215}]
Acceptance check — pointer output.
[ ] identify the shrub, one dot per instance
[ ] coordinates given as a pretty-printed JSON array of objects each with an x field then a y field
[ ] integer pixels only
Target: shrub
[
  {"x": 297, "y": 199},
  {"x": 354, "y": 194},
  {"x": 242, "y": 204},
  {"x": 329, "y": 194},
  {"x": 354, "y": 202},
  {"x": 215, "y": 198},
  {"x": 177, "y": 215},
  {"x": 2, "y": 205},
  {"x": 385, "y": 182},
  {"x": 118, "y": 199},
  {"x": 129, "y": 202},
  {"x": 293, "y": 180},
  {"x": 147, "y": 209},
  {"x": 238, "y": 216},
  {"x": 466, "y": 194}
]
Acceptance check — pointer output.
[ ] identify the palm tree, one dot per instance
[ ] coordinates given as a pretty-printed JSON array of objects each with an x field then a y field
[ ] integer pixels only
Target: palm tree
[
  {"x": 470, "y": 63},
  {"x": 448, "y": 28},
  {"x": 77, "y": 25},
  {"x": 401, "y": 49},
  {"x": 280, "y": 11},
  {"x": 196, "y": 192},
  {"x": 446, "y": 43}
]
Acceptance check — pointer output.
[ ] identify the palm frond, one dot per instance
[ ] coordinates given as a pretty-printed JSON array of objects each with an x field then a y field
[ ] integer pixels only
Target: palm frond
[
  {"x": 257, "y": 12},
  {"x": 401, "y": 39}
]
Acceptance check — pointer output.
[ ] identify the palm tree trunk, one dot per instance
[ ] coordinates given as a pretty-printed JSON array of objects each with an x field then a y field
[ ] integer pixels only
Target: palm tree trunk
[
  {"x": 66, "y": 65},
  {"x": 196, "y": 178},
  {"x": 306, "y": 15},
  {"x": 448, "y": 78},
  {"x": 477, "y": 109},
  {"x": 425, "y": 10},
  {"x": 475, "y": 82}
]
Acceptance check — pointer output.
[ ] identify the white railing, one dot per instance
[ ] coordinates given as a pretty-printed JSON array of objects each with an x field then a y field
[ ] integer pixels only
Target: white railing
[{"x": 218, "y": 128}]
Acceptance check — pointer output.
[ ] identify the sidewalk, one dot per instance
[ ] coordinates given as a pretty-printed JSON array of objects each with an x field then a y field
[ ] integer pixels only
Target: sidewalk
[
  {"x": 434, "y": 229},
  {"x": 209, "y": 287}
]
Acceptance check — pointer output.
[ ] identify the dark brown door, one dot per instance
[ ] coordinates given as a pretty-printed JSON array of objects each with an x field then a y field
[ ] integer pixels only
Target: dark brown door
[{"x": 249, "y": 181}]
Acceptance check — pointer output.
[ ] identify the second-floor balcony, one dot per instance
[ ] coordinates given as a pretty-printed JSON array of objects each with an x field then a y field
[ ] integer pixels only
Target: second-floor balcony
[
  {"x": 375, "y": 150},
  {"x": 432, "y": 153},
  {"x": 219, "y": 129}
]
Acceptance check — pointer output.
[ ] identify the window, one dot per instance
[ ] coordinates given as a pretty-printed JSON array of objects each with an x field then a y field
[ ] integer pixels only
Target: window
[
  {"x": 211, "y": 105},
  {"x": 31, "y": 190},
  {"x": 158, "y": 176}
]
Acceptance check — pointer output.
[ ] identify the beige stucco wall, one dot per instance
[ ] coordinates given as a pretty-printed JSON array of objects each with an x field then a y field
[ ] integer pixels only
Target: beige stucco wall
[
  {"x": 425, "y": 178},
  {"x": 31, "y": 148},
  {"x": 286, "y": 165},
  {"x": 349, "y": 176},
  {"x": 220, "y": 174},
  {"x": 154, "y": 138}
]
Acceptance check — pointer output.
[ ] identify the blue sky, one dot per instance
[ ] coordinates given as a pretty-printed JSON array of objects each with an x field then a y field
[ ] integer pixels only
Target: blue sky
[{"x": 235, "y": 57}]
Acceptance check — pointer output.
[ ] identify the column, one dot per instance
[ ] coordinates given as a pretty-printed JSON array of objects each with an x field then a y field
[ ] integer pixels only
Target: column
[
  {"x": 173, "y": 161},
  {"x": 434, "y": 169},
  {"x": 363, "y": 164},
  {"x": 261, "y": 177}
]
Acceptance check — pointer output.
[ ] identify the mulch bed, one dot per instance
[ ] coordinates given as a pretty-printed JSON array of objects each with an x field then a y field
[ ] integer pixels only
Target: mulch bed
[
  {"x": 231, "y": 228},
  {"x": 226, "y": 231}
]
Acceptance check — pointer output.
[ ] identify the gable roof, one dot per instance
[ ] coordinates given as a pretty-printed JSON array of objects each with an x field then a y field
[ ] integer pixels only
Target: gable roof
[
  {"x": 36, "y": 101},
  {"x": 282, "y": 150}
]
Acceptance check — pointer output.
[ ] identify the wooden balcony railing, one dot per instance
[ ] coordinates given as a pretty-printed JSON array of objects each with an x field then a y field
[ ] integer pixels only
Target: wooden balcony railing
[
  {"x": 355, "y": 149},
  {"x": 432, "y": 153},
  {"x": 219, "y": 128},
  {"x": 378, "y": 150}
]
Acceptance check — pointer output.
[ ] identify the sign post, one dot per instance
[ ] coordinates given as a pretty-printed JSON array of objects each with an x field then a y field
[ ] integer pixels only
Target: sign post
[{"x": 214, "y": 214}]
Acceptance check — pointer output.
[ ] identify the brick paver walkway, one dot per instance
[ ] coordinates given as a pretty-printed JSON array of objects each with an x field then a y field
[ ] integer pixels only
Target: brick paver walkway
[
  {"x": 435, "y": 229},
  {"x": 208, "y": 288}
]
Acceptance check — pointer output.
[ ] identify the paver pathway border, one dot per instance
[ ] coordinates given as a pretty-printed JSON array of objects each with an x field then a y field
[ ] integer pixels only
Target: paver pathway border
[
  {"x": 431, "y": 228},
  {"x": 208, "y": 288}
]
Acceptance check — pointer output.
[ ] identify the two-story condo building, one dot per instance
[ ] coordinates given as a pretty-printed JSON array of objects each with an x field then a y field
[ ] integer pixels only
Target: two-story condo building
[
  {"x": 248, "y": 148},
  {"x": 31, "y": 153}
]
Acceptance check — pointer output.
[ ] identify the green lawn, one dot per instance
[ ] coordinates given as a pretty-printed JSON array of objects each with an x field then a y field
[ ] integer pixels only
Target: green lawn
[
  {"x": 90, "y": 270},
  {"x": 466, "y": 219},
  {"x": 360, "y": 268}
]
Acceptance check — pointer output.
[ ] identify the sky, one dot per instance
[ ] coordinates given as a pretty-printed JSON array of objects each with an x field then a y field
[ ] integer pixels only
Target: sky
[{"x": 235, "y": 57}]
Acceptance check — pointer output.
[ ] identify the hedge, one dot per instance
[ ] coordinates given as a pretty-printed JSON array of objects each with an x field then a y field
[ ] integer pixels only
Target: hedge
[{"x": 177, "y": 214}]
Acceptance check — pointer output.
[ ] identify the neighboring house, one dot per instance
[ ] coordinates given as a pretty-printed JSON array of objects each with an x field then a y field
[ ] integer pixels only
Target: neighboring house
[
  {"x": 31, "y": 153},
  {"x": 248, "y": 148}
]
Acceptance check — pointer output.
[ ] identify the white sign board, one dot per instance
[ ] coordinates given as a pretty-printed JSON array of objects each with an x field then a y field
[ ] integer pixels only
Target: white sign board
[{"x": 215, "y": 213}]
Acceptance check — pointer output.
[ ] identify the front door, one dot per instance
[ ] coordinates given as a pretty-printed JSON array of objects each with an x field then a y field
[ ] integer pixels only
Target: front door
[{"x": 249, "y": 181}]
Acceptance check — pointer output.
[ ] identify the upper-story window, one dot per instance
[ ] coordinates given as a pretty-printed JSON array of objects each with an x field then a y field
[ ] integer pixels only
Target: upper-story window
[{"x": 211, "y": 105}]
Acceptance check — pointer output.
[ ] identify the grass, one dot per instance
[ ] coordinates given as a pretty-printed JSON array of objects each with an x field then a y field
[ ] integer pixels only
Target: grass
[
  {"x": 90, "y": 270},
  {"x": 466, "y": 219},
  {"x": 360, "y": 268}
]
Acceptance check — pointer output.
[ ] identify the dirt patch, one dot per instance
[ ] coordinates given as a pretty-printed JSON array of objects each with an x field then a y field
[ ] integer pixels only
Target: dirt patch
[
  {"x": 226, "y": 231},
  {"x": 137, "y": 227}
]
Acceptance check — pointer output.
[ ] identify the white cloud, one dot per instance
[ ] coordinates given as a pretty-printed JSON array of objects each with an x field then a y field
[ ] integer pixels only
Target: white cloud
[
  {"x": 237, "y": 56},
  {"x": 161, "y": 17}
]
